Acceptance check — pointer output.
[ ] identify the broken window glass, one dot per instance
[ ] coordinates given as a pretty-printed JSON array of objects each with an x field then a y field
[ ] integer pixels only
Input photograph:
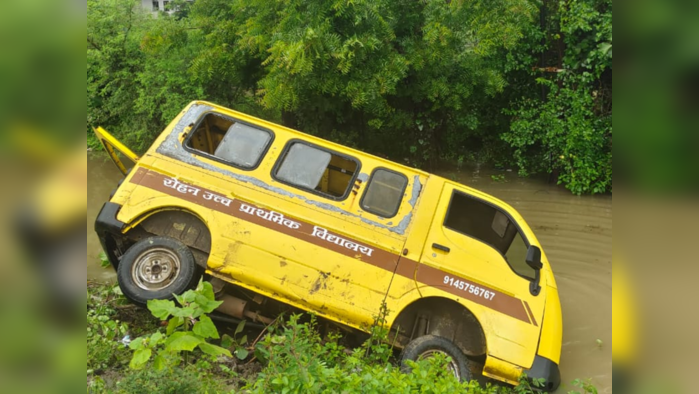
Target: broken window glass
[
  {"x": 243, "y": 145},
  {"x": 384, "y": 193},
  {"x": 231, "y": 141},
  {"x": 317, "y": 170}
]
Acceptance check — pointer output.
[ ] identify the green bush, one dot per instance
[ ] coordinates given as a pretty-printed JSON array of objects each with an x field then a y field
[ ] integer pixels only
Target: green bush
[
  {"x": 103, "y": 333},
  {"x": 300, "y": 361},
  {"x": 296, "y": 359},
  {"x": 167, "y": 381},
  {"x": 561, "y": 123},
  {"x": 564, "y": 134}
]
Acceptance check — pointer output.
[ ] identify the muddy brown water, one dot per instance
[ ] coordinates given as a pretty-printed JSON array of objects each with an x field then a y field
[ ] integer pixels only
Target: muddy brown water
[{"x": 576, "y": 233}]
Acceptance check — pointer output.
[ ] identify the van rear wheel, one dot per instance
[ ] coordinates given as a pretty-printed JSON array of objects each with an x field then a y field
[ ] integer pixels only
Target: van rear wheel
[
  {"x": 157, "y": 268},
  {"x": 429, "y": 346}
]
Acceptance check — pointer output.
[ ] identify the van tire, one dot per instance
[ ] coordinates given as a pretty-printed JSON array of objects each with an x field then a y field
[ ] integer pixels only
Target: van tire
[
  {"x": 428, "y": 345},
  {"x": 157, "y": 268}
]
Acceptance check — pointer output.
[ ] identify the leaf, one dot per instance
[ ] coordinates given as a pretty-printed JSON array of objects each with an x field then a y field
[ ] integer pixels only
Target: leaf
[
  {"x": 240, "y": 327},
  {"x": 205, "y": 328},
  {"x": 161, "y": 309},
  {"x": 214, "y": 350},
  {"x": 207, "y": 290},
  {"x": 187, "y": 298},
  {"x": 241, "y": 353},
  {"x": 182, "y": 341},
  {"x": 207, "y": 305},
  {"x": 175, "y": 323},
  {"x": 140, "y": 358},
  {"x": 227, "y": 341},
  {"x": 104, "y": 260},
  {"x": 136, "y": 344},
  {"x": 159, "y": 363},
  {"x": 155, "y": 339},
  {"x": 183, "y": 312}
]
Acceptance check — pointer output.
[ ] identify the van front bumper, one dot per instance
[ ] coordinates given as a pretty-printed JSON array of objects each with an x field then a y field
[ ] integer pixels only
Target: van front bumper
[
  {"x": 547, "y": 370},
  {"x": 107, "y": 227}
]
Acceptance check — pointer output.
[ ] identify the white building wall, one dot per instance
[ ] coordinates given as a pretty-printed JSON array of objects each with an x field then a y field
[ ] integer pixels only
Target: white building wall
[{"x": 154, "y": 5}]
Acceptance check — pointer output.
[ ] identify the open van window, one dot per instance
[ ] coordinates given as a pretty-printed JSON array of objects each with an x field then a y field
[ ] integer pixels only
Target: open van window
[
  {"x": 476, "y": 219},
  {"x": 229, "y": 141},
  {"x": 317, "y": 170}
]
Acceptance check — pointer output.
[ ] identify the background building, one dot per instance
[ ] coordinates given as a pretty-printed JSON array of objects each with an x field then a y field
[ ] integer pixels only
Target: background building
[{"x": 155, "y": 5}]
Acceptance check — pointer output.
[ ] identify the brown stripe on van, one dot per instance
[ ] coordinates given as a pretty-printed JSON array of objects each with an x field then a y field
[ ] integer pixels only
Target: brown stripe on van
[
  {"x": 252, "y": 213},
  {"x": 531, "y": 314},
  {"x": 500, "y": 302},
  {"x": 324, "y": 238}
]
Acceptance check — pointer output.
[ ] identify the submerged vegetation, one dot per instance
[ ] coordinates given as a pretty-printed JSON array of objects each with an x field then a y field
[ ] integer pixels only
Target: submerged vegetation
[
  {"x": 288, "y": 357},
  {"x": 513, "y": 82}
]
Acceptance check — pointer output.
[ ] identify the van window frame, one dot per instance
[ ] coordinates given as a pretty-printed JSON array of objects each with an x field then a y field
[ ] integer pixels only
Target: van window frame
[
  {"x": 504, "y": 212},
  {"x": 368, "y": 184},
  {"x": 285, "y": 151},
  {"x": 190, "y": 135}
]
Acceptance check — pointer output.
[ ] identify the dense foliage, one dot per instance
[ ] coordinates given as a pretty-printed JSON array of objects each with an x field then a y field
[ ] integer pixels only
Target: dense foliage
[
  {"x": 417, "y": 81},
  {"x": 290, "y": 356}
]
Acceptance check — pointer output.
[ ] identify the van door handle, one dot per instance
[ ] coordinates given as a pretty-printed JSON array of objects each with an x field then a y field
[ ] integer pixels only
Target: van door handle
[{"x": 441, "y": 247}]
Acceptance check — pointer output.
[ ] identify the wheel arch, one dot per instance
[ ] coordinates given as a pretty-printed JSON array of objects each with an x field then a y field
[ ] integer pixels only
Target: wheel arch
[
  {"x": 442, "y": 317},
  {"x": 176, "y": 222}
]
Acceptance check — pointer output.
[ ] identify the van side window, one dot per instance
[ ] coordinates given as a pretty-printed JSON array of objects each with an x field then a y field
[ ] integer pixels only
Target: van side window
[
  {"x": 384, "y": 193},
  {"x": 230, "y": 141},
  {"x": 476, "y": 219},
  {"x": 317, "y": 170}
]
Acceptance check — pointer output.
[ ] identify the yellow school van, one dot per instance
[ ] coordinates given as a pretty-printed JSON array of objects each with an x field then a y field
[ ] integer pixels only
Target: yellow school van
[{"x": 280, "y": 219}]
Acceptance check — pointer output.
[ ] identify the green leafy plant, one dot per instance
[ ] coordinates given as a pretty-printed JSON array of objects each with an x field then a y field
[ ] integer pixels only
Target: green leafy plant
[
  {"x": 189, "y": 327},
  {"x": 300, "y": 360},
  {"x": 586, "y": 386},
  {"x": 189, "y": 380},
  {"x": 238, "y": 344},
  {"x": 498, "y": 178},
  {"x": 565, "y": 126},
  {"x": 104, "y": 260},
  {"x": 104, "y": 332}
]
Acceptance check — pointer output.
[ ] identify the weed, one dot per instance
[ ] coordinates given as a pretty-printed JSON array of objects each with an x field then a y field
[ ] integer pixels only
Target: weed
[
  {"x": 189, "y": 327},
  {"x": 104, "y": 260}
]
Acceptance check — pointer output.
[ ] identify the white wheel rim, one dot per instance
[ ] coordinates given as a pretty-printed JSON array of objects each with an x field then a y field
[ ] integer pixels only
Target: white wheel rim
[
  {"x": 452, "y": 367},
  {"x": 155, "y": 269}
]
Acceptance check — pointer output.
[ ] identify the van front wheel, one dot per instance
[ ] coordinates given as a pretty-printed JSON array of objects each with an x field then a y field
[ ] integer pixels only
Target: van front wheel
[
  {"x": 157, "y": 268},
  {"x": 429, "y": 346}
]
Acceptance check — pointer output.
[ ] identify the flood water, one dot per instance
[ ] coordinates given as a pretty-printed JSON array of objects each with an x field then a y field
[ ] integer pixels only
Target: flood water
[{"x": 576, "y": 233}]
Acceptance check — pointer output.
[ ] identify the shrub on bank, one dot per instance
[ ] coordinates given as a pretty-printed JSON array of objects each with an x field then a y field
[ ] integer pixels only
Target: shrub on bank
[{"x": 295, "y": 359}]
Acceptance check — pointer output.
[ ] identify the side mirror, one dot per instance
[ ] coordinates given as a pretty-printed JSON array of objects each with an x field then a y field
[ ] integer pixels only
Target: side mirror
[
  {"x": 534, "y": 261},
  {"x": 534, "y": 258}
]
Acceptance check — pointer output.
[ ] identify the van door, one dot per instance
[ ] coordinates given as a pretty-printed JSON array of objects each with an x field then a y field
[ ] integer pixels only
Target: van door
[
  {"x": 114, "y": 148},
  {"x": 476, "y": 251}
]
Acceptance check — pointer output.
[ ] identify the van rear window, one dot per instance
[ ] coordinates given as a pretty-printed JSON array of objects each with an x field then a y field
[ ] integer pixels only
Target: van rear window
[
  {"x": 230, "y": 141},
  {"x": 384, "y": 193},
  {"x": 316, "y": 170}
]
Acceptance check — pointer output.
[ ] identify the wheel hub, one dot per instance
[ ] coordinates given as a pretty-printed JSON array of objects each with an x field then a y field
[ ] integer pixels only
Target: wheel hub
[
  {"x": 451, "y": 365},
  {"x": 156, "y": 269}
]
